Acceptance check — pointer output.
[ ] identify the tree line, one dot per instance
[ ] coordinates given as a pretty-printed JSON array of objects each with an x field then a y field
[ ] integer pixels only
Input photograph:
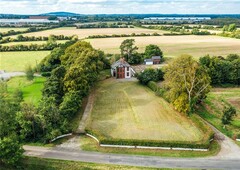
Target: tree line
[
  {"x": 31, "y": 29},
  {"x": 104, "y": 25},
  {"x": 21, "y": 38}
]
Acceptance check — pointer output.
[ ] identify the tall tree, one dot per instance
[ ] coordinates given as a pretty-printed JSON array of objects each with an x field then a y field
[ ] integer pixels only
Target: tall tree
[
  {"x": 187, "y": 81},
  {"x": 153, "y": 50},
  {"x": 128, "y": 48}
]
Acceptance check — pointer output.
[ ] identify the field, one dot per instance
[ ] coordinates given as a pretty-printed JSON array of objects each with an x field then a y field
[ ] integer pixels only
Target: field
[
  {"x": 175, "y": 45},
  {"x": 30, "y": 42},
  {"x": 83, "y": 33},
  {"x": 31, "y": 89},
  {"x": 128, "y": 110},
  {"x": 17, "y": 61},
  {"x": 6, "y": 29},
  {"x": 215, "y": 102}
]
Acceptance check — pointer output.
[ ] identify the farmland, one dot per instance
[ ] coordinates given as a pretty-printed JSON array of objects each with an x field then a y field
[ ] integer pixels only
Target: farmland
[
  {"x": 215, "y": 102},
  {"x": 83, "y": 33},
  {"x": 31, "y": 89},
  {"x": 6, "y": 29},
  {"x": 175, "y": 45},
  {"x": 121, "y": 113},
  {"x": 17, "y": 61}
]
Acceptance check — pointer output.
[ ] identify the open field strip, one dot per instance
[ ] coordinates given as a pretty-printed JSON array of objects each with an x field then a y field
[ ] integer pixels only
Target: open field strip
[
  {"x": 175, "y": 45},
  {"x": 31, "y": 89},
  {"x": 17, "y": 61},
  {"x": 127, "y": 110},
  {"x": 83, "y": 33},
  {"x": 6, "y": 29}
]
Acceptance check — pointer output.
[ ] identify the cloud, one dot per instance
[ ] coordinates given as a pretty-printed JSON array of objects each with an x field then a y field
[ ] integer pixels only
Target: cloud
[{"x": 120, "y": 6}]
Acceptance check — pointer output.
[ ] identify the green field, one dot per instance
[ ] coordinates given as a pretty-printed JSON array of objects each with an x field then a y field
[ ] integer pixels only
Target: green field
[
  {"x": 17, "y": 61},
  {"x": 128, "y": 110},
  {"x": 31, "y": 89},
  {"x": 6, "y": 29},
  {"x": 172, "y": 46},
  {"x": 30, "y": 42},
  {"x": 215, "y": 102}
]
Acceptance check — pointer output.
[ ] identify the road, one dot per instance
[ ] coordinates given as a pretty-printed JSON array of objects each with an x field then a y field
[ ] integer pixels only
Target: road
[{"x": 133, "y": 160}]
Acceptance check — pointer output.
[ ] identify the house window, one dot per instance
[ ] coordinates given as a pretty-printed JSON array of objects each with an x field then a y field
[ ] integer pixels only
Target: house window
[
  {"x": 127, "y": 68},
  {"x": 127, "y": 74}
]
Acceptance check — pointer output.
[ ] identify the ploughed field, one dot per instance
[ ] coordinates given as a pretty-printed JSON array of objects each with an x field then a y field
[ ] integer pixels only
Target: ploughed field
[
  {"x": 172, "y": 46},
  {"x": 127, "y": 110}
]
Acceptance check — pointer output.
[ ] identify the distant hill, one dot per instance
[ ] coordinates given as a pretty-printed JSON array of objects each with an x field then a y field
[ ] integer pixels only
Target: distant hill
[{"x": 61, "y": 14}]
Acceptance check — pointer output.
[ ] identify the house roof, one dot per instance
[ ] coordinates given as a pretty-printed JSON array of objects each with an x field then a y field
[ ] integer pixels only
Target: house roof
[
  {"x": 156, "y": 57},
  {"x": 121, "y": 63}
]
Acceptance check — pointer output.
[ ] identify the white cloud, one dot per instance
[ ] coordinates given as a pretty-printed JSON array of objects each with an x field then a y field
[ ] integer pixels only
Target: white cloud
[{"x": 120, "y": 6}]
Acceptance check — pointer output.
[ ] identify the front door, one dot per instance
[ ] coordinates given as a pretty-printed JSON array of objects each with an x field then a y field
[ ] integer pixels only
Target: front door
[{"x": 121, "y": 72}]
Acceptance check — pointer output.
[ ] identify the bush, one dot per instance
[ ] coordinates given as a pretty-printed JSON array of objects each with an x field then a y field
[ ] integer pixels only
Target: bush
[
  {"x": 29, "y": 73},
  {"x": 46, "y": 74},
  {"x": 150, "y": 74}
]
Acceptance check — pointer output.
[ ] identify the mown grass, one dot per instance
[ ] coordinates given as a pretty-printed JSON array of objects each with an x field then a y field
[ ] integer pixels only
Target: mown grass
[
  {"x": 215, "y": 102},
  {"x": 173, "y": 46},
  {"x": 31, "y": 89},
  {"x": 31, "y": 163},
  {"x": 128, "y": 110},
  {"x": 17, "y": 61},
  {"x": 89, "y": 144}
]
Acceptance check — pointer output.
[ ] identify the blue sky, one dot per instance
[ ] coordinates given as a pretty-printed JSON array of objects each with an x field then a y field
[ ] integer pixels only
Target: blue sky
[{"x": 121, "y": 6}]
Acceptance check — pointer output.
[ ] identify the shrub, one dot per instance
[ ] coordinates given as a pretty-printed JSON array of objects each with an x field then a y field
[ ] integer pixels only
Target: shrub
[{"x": 29, "y": 73}]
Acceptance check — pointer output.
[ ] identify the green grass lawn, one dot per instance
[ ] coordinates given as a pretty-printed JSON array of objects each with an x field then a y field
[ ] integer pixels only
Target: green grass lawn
[
  {"x": 31, "y": 163},
  {"x": 214, "y": 105},
  {"x": 17, "y": 61},
  {"x": 31, "y": 89},
  {"x": 128, "y": 110},
  {"x": 31, "y": 42},
  {"x": 89, "y": 144}
]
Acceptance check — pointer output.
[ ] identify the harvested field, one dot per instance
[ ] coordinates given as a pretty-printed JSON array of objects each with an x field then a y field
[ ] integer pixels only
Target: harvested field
[
  {"x": 6, "y": 29},
  {"x": 83, "y": 33},
  {"x": 30, "y": 42},
  {"x": 175, "y": 45}
]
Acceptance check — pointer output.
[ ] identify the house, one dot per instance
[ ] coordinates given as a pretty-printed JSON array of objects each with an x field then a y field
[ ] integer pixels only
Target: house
[
  {"x": 153, "y": 60},
  {"x": 121, "y": 69}
]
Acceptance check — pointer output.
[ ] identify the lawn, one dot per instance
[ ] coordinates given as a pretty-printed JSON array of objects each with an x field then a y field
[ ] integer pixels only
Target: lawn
[
  {"x": 128, "y": 110},
  {"x": 214, "y": 105},
  {"x": 175, "y": 45},
  {"x": 17, "y": 61},
  {"x": 83, "y": 33},
  {"x": 31, "y": 89},
  {"x": 30, "y": 42},
  {"x": 6, "y": 29}
]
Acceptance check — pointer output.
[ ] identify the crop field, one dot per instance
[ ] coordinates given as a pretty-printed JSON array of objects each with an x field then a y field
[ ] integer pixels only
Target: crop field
[
  {"x": 17, "y": 61},
  {"x": 6, "y": 29},
  {"x": 31, "y": 42},
  {"x": 83, "y": 33},
  {"x": 172, "y": 46},
  {"x": 128, "y": 110},
  {"x": 215, "y": 102},
  {"x": 31, "y": 89}
]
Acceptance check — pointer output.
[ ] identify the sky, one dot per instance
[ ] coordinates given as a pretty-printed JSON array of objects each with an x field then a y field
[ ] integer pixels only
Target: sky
[{"x": 121, "y": 6}]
